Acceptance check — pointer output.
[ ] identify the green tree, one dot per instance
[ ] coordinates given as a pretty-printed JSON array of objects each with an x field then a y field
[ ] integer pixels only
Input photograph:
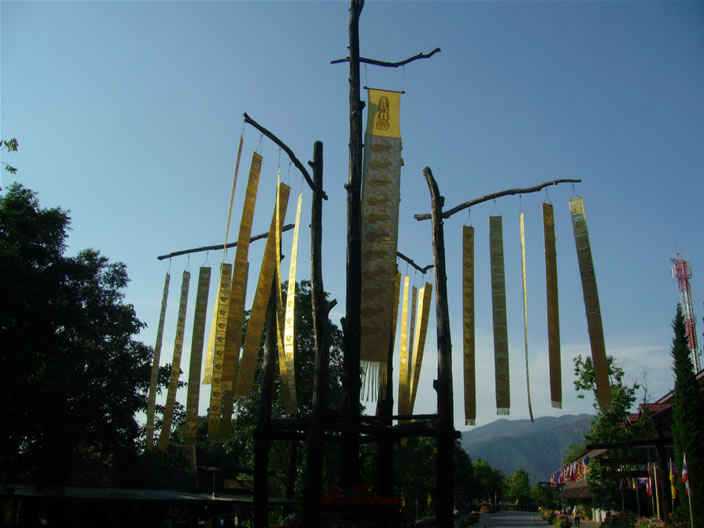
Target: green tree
[
  {"x": 518, "y": 488},
  {"x": 687, "y": 423},
  {"x": 489, "y": 482},
  {"x": 72, "y": 376}
]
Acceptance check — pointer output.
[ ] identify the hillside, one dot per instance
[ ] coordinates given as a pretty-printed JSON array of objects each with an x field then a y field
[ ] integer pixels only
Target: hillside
[{"x": 538, "y": 447}]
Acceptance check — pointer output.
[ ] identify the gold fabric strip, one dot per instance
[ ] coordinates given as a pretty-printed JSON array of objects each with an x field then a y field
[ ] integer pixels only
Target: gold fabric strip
[
  {"x": 424, "y": 298},
  {"x": 289, "y": 316},
  {"x": 411, "y": 337},
  {"x": 257, "y": 316},
  {"x": 280, "y": 307},
  {"x": 591, "y": 301},
  {"x": 403, "y": 392},
  {"x": 197, "y": 338},
  {"x": 498, "y": 302},
  {"x": 238, "y": 291},
  {"x": 525, "y": 309},
  {"x": 381, "y": 181},
  {"x": 151, "y": 403},
  {"x": 215, "y": 409},
  {"x": 232, "y": 196},
  {"x": 470, "y": 382},
  {"x": 553, "y": 307},
  {"x": 175, "y": 364},
  {"x": 208, "y": 371}
]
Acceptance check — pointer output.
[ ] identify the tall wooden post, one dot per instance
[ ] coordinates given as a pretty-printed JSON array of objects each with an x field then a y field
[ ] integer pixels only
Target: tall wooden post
[
  {"x": 315, "y": 439},
  {"x": 351, "y": 382},
  {"x": 443, "y": 385},
  {"x": 385, "y": 446},
  {"x": 262, "y": 434}
]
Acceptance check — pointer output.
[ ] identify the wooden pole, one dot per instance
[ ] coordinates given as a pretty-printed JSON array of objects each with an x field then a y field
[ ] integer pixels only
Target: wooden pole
[
  {"x": 315, "y": 444},
  {"x": 443, "y": 385},
  {"x": 262, "y": 434},
  {"x": 351, "y": 382},
  {"x": 385, "y": 446}
]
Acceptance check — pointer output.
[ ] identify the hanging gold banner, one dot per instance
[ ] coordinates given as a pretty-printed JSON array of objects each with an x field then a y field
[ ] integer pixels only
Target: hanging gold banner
[
  {"x": 591, "y": 301},
  {"x": 424, "y": 298},
  {"x": 553, "y": 307},
  {"x": 257, "y": 316},
  {"x": 470, "y": 383},
  {"x": 280, "y": 307},
  {"x": 498, "y": 303},
  {"x": 197, "y": 339},
  {"x": 207, "y": 376},
  {"x": 175, "y": 364},
  {"x": 215, "y": 409},
  {"x": 383, "y": 373},
  {"x": 151, "y": 403},
  {"x": 289, "y": 316},
  {"x": 235, "y": 318},
  {"x": 381, "y": 181},
  {"x": 403, "y": 392},
  {"x": 525, "y": 308},
  {"x": 411, "y": 334}
]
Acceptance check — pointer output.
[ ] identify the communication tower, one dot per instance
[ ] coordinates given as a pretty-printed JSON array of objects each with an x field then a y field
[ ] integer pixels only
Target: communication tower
[{"x": 682, "y": 272}]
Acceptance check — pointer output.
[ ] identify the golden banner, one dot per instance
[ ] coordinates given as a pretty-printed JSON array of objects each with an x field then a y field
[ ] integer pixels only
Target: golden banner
[
  {"x": 257, "y": 316},
  {"x": 553, "y": 307},
  {"x": 280, "y": 307},
  {"x": 207, "y": 376},
  {"x": 151, "y": 403},
  {"x": 470, "y": 382},
  {"x": 412, "y": 333},
  {"x": 591, "y": 301},
  {"x": 289, "y": 315},
  {"x": 403, "y": 392},
  {"x": 175, "y": 364},
  {"x": 197, "y": 339},
  {"x": 381, "y": 182},
  {"x": 215, "y": 409},
  {"x": 498, "y": 303},
  {"x": 383, "y": 379},
  {"x": 424, "y": 298},
  {"x": 525, "y": 308},
  {"x": 235, "y": 318}
]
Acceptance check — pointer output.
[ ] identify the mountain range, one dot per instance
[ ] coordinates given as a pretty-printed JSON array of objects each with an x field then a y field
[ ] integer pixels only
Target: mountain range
[{"x": 537, "y": 447}]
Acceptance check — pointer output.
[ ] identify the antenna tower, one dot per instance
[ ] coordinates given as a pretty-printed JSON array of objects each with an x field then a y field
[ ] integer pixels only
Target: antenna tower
[{"x": 682, "y": 272}]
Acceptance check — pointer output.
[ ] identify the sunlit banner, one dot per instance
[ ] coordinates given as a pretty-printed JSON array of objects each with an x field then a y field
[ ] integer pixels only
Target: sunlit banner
[
  {"x": 424, "y": 298},
  {"x": 553, "y": 307},
  {"x": 175, "y": 364},
  {"x": 525, "y": 307},
  {"x": 469, "y": 344},
  {"x": 215, "y": 408},
  {"x": 151, "y": 403},
  {"x": 591, "y": 301},
  {"x": 403, "y": 382},
  {"x": 197, "y": 339},
  {"x": 498, "y": 303}
]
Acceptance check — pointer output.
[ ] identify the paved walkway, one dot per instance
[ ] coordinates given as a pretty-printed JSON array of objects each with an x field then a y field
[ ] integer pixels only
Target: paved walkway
[{"x": 515, "y": 519}]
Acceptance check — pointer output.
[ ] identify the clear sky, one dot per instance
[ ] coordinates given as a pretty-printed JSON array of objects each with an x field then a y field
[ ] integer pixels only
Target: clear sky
[{"x": 129, "y": 113}]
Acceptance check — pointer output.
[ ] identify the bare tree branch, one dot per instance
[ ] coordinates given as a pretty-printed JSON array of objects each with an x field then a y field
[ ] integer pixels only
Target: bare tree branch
[
  {"x": 412, "y": 263},
  {"x": 288, "y": 151},
  {"x": 389, "y": 64},
  {"x": 219, "y": 246},
  {"x": 450, "y": 212}
]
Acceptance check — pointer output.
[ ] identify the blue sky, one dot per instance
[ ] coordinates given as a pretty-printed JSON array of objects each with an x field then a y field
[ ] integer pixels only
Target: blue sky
[{"x": 128, "y": 114}]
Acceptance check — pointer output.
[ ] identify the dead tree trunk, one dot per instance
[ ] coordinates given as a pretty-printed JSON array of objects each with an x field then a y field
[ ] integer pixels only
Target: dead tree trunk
[
  {"x": 315, "y": 445},
  {"x": 443, "y": 385},
  {"x": 262, "y": 433},
  {"x": 349, "y": 463}
]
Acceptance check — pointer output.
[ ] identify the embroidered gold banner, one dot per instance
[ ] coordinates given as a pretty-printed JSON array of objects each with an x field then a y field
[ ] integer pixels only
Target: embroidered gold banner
[
  {"x": 215, "y": 409},
  {"x": 197, "y": 338},
  {"x": 591, "y": 301},
  {"x": 403, "y": 387},
  {"x": 208, "y": 370},
  {"x": 257, "y": 316},
  {"x": 235, "y": 318},
  {"x": 381, "y": 181},
  {"x": 470, "y": 382},
  {"x": 151, "y": 403},
  {"x": 498, "y": 303},
  {"x": 525, "y": 309},
  {"x": 553, "y": 307},
  {"x": 175, "y": 364},
  {"x": 411, "y": 334},
  {"x": 424, "y": 298},
  {"x": 281, "y": 308},
  {"x": 289, "y": 316}
]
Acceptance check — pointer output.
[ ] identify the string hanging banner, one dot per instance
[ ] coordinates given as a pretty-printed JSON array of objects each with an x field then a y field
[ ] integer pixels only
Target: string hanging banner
[
  {"x": 470, "y": 384},
  {"x": 591, "y": 301},
  {"x": 498, "y": 303},
  {"x": 151, "y": 403},
  {"x": 525, "y": 308},
  {"x": 424, "y": 297},
  {"x": 552, "y": 307},
  {"x": 194, "y": 369},
  {"x": 220, "y": 316},
  {"x": 381, "y": 185},
  {"x": 403, "y": 392}
]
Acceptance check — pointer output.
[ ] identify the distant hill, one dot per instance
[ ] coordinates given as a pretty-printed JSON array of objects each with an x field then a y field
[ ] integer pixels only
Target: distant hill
[{"x": 538, "y": 447}]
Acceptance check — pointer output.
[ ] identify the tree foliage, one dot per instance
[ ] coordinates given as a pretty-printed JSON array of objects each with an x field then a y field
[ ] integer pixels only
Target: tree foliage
[
  {"x": 518, "y": 488},
  {"x": 72, "y": 376},
  {"x": 687, "y": 423}
]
